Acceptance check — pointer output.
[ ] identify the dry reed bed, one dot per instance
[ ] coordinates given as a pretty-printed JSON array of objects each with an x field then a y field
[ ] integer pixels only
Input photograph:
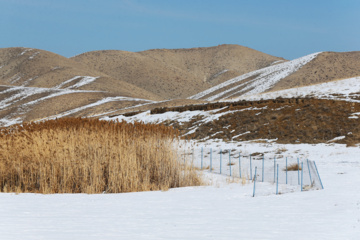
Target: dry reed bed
[{"x": 74, "y": 155}]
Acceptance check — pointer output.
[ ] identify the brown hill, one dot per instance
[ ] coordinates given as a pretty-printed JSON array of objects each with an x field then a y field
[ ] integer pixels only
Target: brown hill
[
  {"x": 38, "y": 68},
  {"x": 177, "y": 73},
  {"x": 326, "y": 67},
  {"x": 36, "y": 84},
  {"x": 308, "y": 70}
]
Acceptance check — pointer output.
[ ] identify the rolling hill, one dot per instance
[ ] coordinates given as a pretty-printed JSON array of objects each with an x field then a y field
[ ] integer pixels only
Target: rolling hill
[
  {"x": 177, "y": 73},
  {"x": 36, "y": 84}
]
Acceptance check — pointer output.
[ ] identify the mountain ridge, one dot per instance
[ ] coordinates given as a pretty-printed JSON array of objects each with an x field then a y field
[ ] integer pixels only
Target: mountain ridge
[{"x": 37, "y": 84}]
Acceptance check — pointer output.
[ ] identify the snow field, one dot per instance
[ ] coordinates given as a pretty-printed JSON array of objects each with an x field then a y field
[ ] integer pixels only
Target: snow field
[
  {"x": 238, "y": 163},
  {"x": 223, "y": 210}
]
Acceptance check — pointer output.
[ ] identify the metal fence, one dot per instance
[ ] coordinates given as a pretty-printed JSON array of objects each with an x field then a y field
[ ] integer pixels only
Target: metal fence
[{"x": 257, "y": 167}]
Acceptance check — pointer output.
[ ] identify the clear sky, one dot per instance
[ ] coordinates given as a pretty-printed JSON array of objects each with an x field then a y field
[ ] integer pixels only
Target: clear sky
[{"x": 283, "y": 28}]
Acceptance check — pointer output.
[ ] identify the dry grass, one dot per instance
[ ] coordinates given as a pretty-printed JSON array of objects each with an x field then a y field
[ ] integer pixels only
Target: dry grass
[
  {"x": 317, "y": 122},
  {"x": 244, "y": 180},
  {"x": 293, "y": 167},
  {"x": 208, "y": 168},
  {"x": 76, "y": 155}
]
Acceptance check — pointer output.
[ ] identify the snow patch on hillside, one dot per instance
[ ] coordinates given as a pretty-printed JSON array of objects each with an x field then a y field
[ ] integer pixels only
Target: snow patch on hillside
[
  {"x": 25, "y": 51},
  {"x": 278, "y": 61},
  {"x": 84, "y": 81},
  {"x": 15, "y": 78},
  {"x": 21, "y": 93},
  {"x": 28, "y": 81},
  {"x": 264, "y": 79},
  {"x": 97, "y": 103},
  {"x": 7, "y": 121},
  {"x": 347, "y": 89},
  {"x": 200, "y": 117},
  {"x": 34, "y": 55},
  {"x": 219, "y": 73}
]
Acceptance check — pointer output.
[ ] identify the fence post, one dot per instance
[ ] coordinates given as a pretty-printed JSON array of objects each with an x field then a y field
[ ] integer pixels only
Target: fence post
[
  {"x": 309, "y": 171},
  {"x": 318, "y": 175},
  {"x": 220, "y": 159},
  {"x": 286, "y": 171},
  {"x": 254, "y": 182},
  {"x": 298, "y": 171},
  {"x": 210, "y": 159},
  {"x": 302, "y": 174},
  {"x": 263, "y": 168},
  {"x": 250, "y": 168},
  {"x": 202, "y": 156},
  {"x": 274, "y": 168},
  {"x": 239, "y": 164},
  {"x": 230, "y": 160},
  {"x": 277, "y": 179}
]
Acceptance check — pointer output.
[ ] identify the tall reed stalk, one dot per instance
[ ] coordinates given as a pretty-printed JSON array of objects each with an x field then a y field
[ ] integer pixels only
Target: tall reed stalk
[{"x": 74, "y": 155}]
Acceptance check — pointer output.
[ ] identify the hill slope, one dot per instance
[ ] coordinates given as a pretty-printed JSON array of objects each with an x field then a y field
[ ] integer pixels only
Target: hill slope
[
  {"x": 308, "y": 70},
  {"x": 38, "y": 68},
  {"x": 177, "y": 73},
  {"x": 36, "y": 84}
]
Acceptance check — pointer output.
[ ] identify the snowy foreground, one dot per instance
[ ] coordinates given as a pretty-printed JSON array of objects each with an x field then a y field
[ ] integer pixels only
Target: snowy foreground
[{"x": 223, "y": 210}]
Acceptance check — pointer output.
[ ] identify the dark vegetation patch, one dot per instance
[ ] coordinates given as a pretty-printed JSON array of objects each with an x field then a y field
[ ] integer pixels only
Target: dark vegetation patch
[{"x": 294, "y": 120}]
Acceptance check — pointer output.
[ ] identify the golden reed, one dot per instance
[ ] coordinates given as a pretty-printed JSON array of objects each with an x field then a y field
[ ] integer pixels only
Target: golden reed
[{"x": 74, "y": 155}]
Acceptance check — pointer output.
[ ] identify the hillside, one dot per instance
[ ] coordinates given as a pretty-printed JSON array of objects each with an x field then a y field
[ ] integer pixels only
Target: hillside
[
  {"x": 36, "y": 84},
  {"x": 38, "y": 68},
  {"x": 326, "y": 67},
  {"x": 177, "y": 73},
  {"x": 325, "y": 112},
  {"x": 308, "y": 70}
]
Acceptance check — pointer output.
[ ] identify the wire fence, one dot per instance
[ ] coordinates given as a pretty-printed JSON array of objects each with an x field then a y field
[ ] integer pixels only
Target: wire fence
[{"x": 257, "y": 167}]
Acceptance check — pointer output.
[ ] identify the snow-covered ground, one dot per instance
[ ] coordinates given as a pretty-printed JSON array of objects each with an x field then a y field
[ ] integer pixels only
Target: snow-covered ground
[{"x": 223, "y": 210}]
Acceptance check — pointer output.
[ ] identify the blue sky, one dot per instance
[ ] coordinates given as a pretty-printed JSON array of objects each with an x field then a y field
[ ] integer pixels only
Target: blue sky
[{"x": 284, "y": 28}]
